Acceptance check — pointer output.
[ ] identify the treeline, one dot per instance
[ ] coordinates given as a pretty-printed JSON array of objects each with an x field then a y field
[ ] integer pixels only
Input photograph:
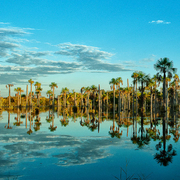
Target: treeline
[{"x": 146, "y": 94}]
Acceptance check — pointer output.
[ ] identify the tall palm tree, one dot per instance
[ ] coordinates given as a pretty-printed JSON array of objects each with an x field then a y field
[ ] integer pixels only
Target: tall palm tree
[
  {"x": 53, "y": 85},
  {"x": 150, "y": 86},
  {"x": 165, "y": 67},
  {"x": 176, "y": 80},
  {"x": 9, "y": 85},
  {"x": 31, "y": 82},
  {"x": 64, "y": 91},
  {"x": 82, "y": 90},
  {"x": 135, "y": 78},
  {"x": 157, "y": 81},
  {"x": 119, "y": 82},
  {"x": 115, "y": 83},
  {"x": 94, "y": 89},
  {"x": 142, "y": 78},
  {"x": 87, "y": 91},
  {"x": 16, "y": 89}
]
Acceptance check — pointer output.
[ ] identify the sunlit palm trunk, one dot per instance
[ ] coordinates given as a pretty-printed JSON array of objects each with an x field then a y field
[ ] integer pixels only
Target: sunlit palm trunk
[
  {"x": 27, "y": 96},
  {"x": 119, "y": 103},
  {"x": 31, "y": 96},
  {"x": 9, "y": 96},
  {"x": 53, "y": 95}
]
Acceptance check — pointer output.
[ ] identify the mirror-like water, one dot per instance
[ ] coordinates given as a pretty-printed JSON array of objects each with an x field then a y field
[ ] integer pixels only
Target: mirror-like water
[{"x": 48, "y": 145}]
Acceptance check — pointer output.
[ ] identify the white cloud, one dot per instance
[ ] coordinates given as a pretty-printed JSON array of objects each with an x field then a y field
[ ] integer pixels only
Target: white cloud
[
  {"x": 91, "y": 58},
  {"x": 159, "y": 22},
  {"x": 4, "y": 23}
]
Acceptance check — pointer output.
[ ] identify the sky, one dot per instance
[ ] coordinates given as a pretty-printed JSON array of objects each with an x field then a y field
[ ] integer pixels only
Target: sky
[{"x": 77, "y": 43}]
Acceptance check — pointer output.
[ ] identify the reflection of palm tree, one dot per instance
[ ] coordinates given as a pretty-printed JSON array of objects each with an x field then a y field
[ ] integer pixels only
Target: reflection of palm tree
[
  {"x": 30, "y": 130},
  {"x": 8, "y": 127},
  {"x": 164, "y": 157},
  {"x": 114, "y": 131},
  {"x": 9, "y": 85},
  {"x": 37, "y": 123},
  {"x": 52, "y": 127}
]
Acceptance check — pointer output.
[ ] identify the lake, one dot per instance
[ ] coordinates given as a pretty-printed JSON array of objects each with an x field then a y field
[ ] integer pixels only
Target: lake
[{"x": 51, "y": 145}]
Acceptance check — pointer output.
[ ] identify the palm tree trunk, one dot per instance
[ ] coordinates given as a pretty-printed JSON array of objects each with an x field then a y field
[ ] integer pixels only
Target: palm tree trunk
[
  {"x": 31, "y": 96},
  {"x": 27, "y": 96},
  {"x": 113, "y": 102},
  {"x": 9, "y": 96}
]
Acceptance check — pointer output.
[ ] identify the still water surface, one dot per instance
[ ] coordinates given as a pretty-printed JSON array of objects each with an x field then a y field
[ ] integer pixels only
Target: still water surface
[{"x": 49, "y": 146}]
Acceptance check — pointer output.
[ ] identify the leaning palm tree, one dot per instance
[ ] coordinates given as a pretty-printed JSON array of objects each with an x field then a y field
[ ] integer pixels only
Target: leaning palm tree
[
  {"x": 31, "y": 82},
  {"x": 9, "y": 85},
  {"x": 165, "y": 67},
  {"x": 53, "y": 85}
]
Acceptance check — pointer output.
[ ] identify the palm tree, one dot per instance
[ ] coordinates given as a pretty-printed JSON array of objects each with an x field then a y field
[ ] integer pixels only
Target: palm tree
[
  {"x": 53, "y": 85},
  {"x": 64, "y": 91},
  {"x": 157, "y": 81},
  {"x": 142, "y": 78},
  {"x": 119, "y": 82},
  {"x": 135, "y": 77},
  {"x": 176, "y": 80},
  {"x": 31, "y": 82},
  {"x": 82, "y": 90},
  {"x": 9, "y": 85},
  {"x": 19, "y": 90},
  {"x": 165, "y": 67},
  {"x": 49, "y": 92},
  {"x": 115, "y": 83},
  {"x": 38, "y": 92},
  {"x": 150, "y": 86},
  {"x": 93, "y": 90},
  {"x": 87, "y": 90}
]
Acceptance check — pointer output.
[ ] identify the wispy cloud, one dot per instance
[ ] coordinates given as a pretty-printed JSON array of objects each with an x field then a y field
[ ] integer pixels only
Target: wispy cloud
[
  {"x": 20, "y": 63},
  {"x": 159, "y": 22},
  {"x": 4, "y": 23}
]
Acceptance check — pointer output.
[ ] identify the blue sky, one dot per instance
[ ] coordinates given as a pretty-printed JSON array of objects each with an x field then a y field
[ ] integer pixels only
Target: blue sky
[{"x": 79, "y": 43}]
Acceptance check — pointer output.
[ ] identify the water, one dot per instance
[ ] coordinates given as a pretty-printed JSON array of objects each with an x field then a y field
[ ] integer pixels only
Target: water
[{"x": 71, "y": 147}]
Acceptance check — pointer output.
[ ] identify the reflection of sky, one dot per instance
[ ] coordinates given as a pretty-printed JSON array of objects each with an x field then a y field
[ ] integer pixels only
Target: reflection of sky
[{"x": 62, "y": 153}]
